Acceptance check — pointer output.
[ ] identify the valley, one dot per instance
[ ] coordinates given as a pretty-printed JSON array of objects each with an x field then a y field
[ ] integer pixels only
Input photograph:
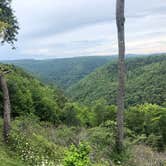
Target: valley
[{"x": 49, "y": 124}]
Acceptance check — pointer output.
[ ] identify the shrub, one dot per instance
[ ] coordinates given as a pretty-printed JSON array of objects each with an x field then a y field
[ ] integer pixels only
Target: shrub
[
  {"x": 155, "y": 142},
  {"x": 148, "y": 120},
  {"x": 37, "y": 151},
  {"x": 78, "y": 156},
  {"x": 69, "y": 115},
  {"x": 33, "y": 147}
]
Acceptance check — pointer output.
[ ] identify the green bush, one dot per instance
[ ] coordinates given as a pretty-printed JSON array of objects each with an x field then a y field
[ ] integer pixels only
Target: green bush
[
  {"x": 65, "y": 136},
  {"x": 155, "y": 142},
  {"x": 35, "y": 151},
  {"x": 30, "y": 142},
  {"x": 103, "y": 112},
  {"x": 78, "y": 156},
  {"x": 148, "y": 120},
  {"x": 68, "y": 115}
]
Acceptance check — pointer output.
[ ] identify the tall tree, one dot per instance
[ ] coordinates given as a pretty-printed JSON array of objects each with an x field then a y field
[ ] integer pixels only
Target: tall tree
[
  {"x": 6, "y": 102},
  {"x": 120, "y": 20},
  {"x": 8, "y": 31}
]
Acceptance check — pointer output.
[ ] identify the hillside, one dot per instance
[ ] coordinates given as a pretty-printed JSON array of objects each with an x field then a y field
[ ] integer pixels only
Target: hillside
[
  {"x": 30, "y": 96},
  {"x": 146, "y": 82},
  {"x": 62, "y": 72},
  {"x": 48, "y": 129}
]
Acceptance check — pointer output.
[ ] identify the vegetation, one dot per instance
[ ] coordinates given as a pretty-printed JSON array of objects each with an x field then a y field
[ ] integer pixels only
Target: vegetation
[
  {"x": 77, "y": 155},
  {"x": 8, "y": 23},
  {"x": 29, "y": 96},
  {"x": 146, "y": 79},
  {"x": 49, "y": 129},
  {"x": 35, "y": 142},
  {"x": 63, "y": 72},
  {"x": 8, "y": 31},
  {"x": 43, "y": 127}
]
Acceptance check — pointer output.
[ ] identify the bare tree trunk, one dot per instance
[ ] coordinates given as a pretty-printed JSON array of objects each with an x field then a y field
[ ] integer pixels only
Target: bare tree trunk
[
  {"x": 7, "y": 109},
  {"x": 120, "y": 20}
]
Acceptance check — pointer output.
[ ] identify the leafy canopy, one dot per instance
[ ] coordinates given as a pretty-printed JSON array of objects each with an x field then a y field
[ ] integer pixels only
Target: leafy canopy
[{"x": 8, "y": 23}]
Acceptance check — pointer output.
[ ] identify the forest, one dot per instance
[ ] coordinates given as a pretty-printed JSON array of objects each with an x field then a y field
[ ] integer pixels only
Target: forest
[
  {"x": 45, "y": 118},
  {"x": 145, "y": 82},
  {"x": 79, "y": 110},
  {"x": 63, "y": 72}
]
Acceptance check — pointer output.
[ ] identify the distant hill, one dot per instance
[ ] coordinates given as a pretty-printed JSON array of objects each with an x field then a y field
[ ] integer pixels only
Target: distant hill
[
  {"x": 62, "y": 72},
  {"x": 146, "y": 82}
]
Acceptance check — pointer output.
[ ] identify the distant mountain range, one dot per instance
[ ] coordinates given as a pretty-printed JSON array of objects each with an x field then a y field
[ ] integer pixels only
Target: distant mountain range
[{"x": 62, "y": 72}]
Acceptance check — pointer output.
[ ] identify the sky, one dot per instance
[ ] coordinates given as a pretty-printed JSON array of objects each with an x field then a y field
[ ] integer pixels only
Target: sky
[{"x": 73, "y": 28}]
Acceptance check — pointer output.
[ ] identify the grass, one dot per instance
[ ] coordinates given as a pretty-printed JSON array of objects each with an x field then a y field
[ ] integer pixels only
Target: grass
[
  {"x": 8, "y": 158},
  {"x": 145, "y": 156}
]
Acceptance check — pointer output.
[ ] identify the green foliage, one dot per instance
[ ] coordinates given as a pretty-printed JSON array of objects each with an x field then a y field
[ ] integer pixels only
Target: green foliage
[
  {"x": 103, "y": 112},
  {"x": 48, "y": 144},
  {"x": 65, "y": 136},
  {"x": 148, "y": 120},
  {"x": 69, "y": 115},
  {"x": 36, "y": 152},
  {"x": 31, "y": 145},
  {"x": 142, "y": 155},
  {"x": 29, "y": 96},
  {"x": 78, "y": 156},
  {"x": 7, "y": 16},
  {"x": 63, "y": 72},
  {"x": 9, "y": 159},
  {"x": 45, "y": 123},
  {"x": 146, "y": 79},
  {"x": 74, "y": 114},
  {"x": 155, "y": 141},
  {"x": 102, "y": 140}
]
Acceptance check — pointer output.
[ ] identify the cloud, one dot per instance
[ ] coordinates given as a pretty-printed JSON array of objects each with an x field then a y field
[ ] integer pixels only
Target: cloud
[{"x": 64, "y": 28}]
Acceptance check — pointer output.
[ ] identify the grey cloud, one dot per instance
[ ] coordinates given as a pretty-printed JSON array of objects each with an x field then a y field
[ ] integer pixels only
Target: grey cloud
[
  {"x": 44, "y": 19},
  {"x": 84, "y": 13}
]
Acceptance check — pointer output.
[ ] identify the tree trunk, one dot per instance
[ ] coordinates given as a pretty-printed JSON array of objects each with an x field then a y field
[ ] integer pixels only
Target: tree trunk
[
  {"x": 120, "y": 20},
  {"x": 6, "y": 107}
]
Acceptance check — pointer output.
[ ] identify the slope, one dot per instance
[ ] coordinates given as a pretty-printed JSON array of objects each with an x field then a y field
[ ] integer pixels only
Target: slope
[
  {"x": 30, "y": 96},
  {"x": 146, "y": 82}
]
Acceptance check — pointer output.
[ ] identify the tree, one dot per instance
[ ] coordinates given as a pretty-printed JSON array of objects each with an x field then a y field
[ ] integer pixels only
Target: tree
[
  {"x": 120, "y": 20},
  {"x": 8, "y": 31},
  {"x": 8, "y": 23},
  {"x": 6, "y": 103}
]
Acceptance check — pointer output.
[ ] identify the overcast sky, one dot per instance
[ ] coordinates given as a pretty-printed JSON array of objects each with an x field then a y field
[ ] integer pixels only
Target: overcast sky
[{"x": 69, "y": 28}]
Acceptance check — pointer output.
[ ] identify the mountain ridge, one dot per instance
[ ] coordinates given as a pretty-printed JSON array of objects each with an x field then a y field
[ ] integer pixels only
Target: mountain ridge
[{"x": 102, "y": 83}]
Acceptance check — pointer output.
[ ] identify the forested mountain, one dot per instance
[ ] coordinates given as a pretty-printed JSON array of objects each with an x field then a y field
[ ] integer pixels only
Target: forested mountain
[
  {"x": 146, "y": 82},
  {"x": 48, "y": 128},
  {"x": 62, "y": 72}
]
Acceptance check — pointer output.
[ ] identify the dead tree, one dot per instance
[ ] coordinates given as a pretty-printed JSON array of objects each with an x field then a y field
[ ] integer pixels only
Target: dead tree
[{"x": 120, "y": 20}]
